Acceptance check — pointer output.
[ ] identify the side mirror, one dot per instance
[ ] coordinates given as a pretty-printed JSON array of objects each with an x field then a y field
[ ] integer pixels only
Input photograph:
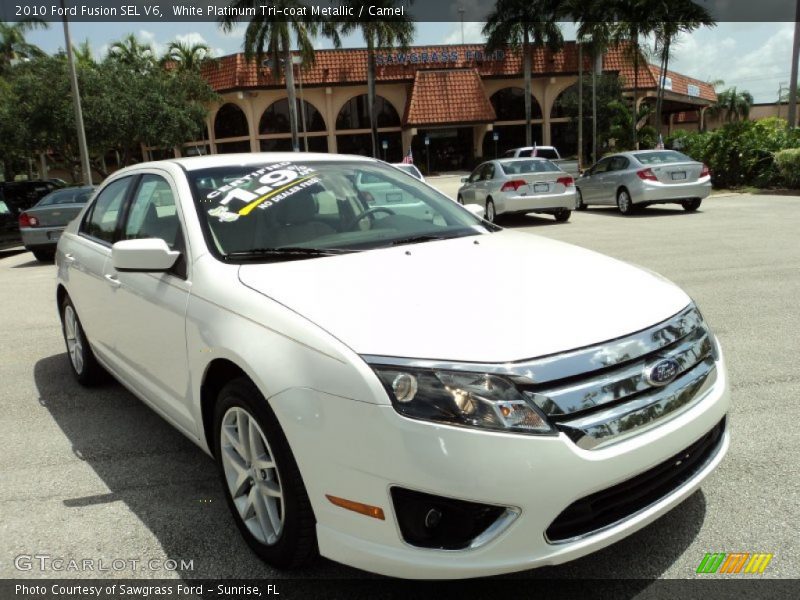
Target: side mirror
[
  {"x": 150, "y": 254},
  {"x": 464, "y": 179},
  {"x": 476, "y": 209}
]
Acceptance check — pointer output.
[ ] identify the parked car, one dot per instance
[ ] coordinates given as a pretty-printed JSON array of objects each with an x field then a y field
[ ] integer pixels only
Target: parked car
[
  {"x": 631, "y": 180},
  {"x": 9, "y": 231},
  {"x": 327, "y": 355},
  {"x": 410, "y": 169},
  {"x": 548, "y": 152},
  {"x": 41, "y": 226},
  {"x": 21, "y": 195},
  {"x": 519, "y": 185}
]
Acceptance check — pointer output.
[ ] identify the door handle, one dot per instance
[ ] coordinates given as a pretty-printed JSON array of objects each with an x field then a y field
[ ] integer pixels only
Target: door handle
[
  {"x": 113, "y": 281},
  {"x": 68, "y": 257}
]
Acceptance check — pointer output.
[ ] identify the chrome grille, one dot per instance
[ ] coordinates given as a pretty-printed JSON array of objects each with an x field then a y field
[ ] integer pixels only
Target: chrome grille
[{"x": 613, "y": 402}]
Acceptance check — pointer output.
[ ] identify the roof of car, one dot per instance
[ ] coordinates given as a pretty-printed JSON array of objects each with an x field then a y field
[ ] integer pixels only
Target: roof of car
[{"x": 256, "y": 158}]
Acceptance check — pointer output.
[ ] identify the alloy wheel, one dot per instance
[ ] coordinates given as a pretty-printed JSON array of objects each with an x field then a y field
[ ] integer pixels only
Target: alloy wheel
[
  {"x": 72, "y": 333},
  {"x": 252, "y": 477},
  {"x": 624, "y": 203},
  {"x": 490, "y": 213}
]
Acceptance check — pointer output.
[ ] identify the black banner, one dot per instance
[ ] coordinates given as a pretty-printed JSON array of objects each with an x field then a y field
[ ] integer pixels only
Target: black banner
[
  {"x": 338, "y": 10},
  {"x": 704, "y": 588}
]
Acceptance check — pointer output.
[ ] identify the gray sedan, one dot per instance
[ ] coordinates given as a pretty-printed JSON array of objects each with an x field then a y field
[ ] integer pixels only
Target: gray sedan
[
  {"x": 519, "y": 185},
  {"x": 639, "y": 178},
  {"x": 41, "y": 226}
]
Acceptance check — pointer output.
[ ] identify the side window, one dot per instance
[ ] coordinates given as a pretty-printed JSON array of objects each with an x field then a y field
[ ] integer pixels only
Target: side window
[
  {"x": 618, "y": 163},
  {"x": 602, "y": 166},
  {"x": 101, "y": 220},
  {"x": 526, "y": 154},
  {"x": 4, "y": 210},
  {"x": 476, "y": 174},
  {"x": 153, "y": 213},
  {"x": 488, "y": 171}
]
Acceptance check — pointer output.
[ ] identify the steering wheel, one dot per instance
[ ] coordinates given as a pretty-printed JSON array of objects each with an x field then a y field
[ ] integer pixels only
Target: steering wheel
[{"x": 368, "y": 213}]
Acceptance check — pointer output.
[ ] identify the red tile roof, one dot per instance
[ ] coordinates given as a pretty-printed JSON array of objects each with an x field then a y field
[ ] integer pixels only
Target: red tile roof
[
  {"x": 448, "y": 96},
  {"x": 349, "y": 66},
  {"x": 681, "y": 83}
]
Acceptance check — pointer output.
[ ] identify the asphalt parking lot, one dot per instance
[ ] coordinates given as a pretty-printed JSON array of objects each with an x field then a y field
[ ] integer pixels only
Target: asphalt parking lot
[{"x": 95, "y": 474}]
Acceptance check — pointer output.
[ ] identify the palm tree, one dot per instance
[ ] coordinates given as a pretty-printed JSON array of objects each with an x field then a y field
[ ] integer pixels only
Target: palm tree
[
  {"x": 265, "y": 36},
  {"x": 636, "y": 20},
  {"x": 673, "y": 18},
  {"x": 378, "y": 35},
  {"x": 523, "y": 25},
  {"x": 130, "y": 52},
  {"x": 83, "y": 53},
  {"x": 185, "y": 56},
  {"x": 735, "y": 104},
  {"x": 594, "y": 32},
  {"x": 12, "y": 41}
]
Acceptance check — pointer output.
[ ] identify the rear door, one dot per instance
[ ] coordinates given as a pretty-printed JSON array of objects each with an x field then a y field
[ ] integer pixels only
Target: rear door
[
  {"x": 592, "y": 185},
  {"x": 84, "y": 260},
  {"x": 617, "y": 171}
]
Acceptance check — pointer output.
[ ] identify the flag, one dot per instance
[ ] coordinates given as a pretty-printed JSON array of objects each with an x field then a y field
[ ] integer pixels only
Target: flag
[
  {"x": 660, "y": 144},
  {"x": 408, "y": 159}
]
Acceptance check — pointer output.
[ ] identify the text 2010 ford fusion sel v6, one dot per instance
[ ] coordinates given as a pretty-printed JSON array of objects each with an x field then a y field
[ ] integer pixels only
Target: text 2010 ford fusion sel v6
[{"x": 322, "y": 345}]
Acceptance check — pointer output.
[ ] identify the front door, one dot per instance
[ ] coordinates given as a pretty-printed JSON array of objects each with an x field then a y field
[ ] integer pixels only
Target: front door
[{"x": 149, "y": 309}]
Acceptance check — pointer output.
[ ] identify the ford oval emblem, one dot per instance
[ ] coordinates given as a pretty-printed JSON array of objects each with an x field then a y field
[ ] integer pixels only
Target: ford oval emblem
[{"x": 662, "y": 372}]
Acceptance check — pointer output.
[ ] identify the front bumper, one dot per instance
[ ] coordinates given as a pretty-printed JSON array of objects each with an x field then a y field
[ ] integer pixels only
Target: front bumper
[
  {"x": 509, "y": 202},
  {"x": 655, "y": 192},
  {"x": 536, "y": 476},
  {"x": 41, "y": 237}
]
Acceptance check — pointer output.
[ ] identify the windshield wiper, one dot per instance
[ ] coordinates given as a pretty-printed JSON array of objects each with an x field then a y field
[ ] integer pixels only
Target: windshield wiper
[
  {"x": 418, "y": 239},
  {"x": 286, "y": 251}
]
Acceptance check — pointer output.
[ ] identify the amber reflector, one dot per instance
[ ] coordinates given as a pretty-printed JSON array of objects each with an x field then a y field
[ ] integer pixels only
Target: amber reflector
[{"x": 364, "y": 509}]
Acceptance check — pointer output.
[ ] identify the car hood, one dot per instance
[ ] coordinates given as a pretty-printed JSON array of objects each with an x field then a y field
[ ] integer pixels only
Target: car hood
[{"x": 497, "y": 297}]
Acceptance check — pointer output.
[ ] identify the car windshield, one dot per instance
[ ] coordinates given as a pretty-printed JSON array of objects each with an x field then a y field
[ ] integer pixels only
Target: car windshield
[
  {"x": 547, "y": 153},
  {"x": 290, "y": 210},
  {"x": 75, "y": 196},
  {"x": 519, "y": 167},
  {"x": 661, "y": 157}
]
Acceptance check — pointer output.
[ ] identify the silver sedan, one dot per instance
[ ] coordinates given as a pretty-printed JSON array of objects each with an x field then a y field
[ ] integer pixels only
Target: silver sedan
[
  {"x": 41, "y": 226},
  {"x": 639, "y": 178},
  {"x": 519, "y": 185}
]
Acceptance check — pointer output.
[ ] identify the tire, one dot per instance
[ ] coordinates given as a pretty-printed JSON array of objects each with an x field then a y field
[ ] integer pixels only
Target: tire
[
  {"x": 283, "y": 531},
  {"x": 460, "y": 200},
  {"x": 579, "y": 205},
  {"x": 562, "y": 215},
  {"x": 490, "y": 214},
  {"x": 83, "y": 364},
  {"x": 44, "y": 256},
  {"x": 624, "y": 202},
  {"x": 691, "y": 205}
]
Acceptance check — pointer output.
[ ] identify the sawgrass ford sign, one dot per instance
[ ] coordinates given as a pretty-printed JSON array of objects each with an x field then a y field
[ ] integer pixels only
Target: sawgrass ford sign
[{"x": 444, "y": 56}]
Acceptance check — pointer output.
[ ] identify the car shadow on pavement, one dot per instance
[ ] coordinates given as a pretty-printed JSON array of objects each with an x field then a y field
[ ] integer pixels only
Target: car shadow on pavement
[
  {"x": 167, "y": 482},
  {"x": 172, "y": 488},
  {"x": 33, "y": 264},
  {"x": 527, "y": 220},
  {"x": 650, "y": 211},
  {"x": 11, "y": 252}
]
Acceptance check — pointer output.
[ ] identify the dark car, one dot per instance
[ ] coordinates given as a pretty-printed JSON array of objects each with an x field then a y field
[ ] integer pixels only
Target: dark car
[
  {"x": 20, "y": 195},
  {"x": 41, "y": 226},
  {"x": 9, "y": 231}
]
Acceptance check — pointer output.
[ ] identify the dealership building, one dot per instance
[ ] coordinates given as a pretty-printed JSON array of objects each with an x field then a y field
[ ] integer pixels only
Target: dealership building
[{"x": 450, "y": 104}]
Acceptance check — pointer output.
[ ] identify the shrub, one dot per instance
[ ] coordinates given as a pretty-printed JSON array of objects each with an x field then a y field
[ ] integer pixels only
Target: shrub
[
  {"x": 740, "y": 153},
  {"x": 788, "y": 164}
]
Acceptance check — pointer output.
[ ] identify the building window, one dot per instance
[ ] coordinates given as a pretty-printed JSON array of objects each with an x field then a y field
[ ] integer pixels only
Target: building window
[
  {"x": 233, "y": 147},
  {"x": 508, "y": 137},
  {"x": 361, "y": 143},
  {"x": 230, "y": 122},
  {"x": 509, "y": 105},
  {"x": 354, "y": 114},
  {"x": 275, "y": 118},
  {"x": 316, "y": 143}
]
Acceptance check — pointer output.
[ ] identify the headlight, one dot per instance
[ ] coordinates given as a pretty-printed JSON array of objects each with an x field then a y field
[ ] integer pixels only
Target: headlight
[{"x": 476, "y": 400}]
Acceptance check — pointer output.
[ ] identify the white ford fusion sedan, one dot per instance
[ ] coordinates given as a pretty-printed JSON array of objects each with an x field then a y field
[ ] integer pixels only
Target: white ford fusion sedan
[{"x": 400, "y": 385}]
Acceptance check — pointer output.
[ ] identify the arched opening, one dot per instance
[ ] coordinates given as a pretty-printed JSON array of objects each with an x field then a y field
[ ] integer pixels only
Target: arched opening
[
  {"x": 509, "y": 105},
  {"x": 564, "y": 122},
  {"x": 508, "y": 137},
  {"x": 230, "y": 122},
  {"x": 566, "y": 105},
  {"x": 354, "y": 116},
  {"x": 275, "y": 131},
  {"x": 275, "y": 119}
]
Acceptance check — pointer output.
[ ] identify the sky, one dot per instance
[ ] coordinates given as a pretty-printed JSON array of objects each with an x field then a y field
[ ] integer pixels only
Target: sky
[{"x": 751, "y": 56}]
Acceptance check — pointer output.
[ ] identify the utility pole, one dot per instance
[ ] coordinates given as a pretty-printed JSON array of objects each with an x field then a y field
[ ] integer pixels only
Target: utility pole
[
  {"x": 792, "y": 118},
  {"x": 461, "y": 15},
  {"x": 76, "y": 100}
]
